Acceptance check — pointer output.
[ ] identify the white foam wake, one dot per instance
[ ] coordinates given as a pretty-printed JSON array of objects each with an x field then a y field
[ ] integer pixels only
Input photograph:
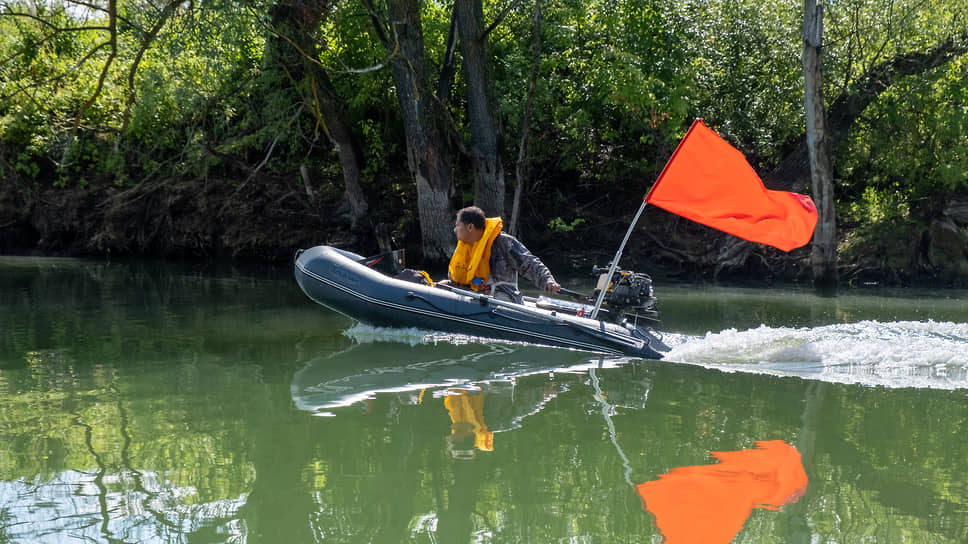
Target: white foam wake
[
  {"x": 413, "y": 336},
  {"x": 895, "y": 354},
  {"x": 919, "y": 354}
]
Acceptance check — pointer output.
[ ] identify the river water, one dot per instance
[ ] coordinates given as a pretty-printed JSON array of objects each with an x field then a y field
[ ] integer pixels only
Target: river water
[{"x": 148, "y": 402}]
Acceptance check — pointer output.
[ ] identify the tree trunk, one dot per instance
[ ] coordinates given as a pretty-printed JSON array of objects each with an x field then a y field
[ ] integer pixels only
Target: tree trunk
[
  {"x": 522, "y": 164},
  {"x": 341, "y": 137},
  {"x": 446, "y": 81},
  {"x": 428, "y": 154},
  {"x": 290, "y": 50},
  {"x": 486, "y": 139},
  {"x": 824, "y": 255}
]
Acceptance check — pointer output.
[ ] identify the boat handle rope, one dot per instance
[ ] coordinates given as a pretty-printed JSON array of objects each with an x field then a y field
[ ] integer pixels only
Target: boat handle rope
[
  {"x": 593, "y": 333},
  {"x": 498, "y": 304},
  {"x": 603, "y": 335},
  {"x": 411, "y": 295}
]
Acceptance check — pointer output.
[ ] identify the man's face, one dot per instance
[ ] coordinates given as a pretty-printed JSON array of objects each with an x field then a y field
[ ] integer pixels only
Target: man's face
[{"x": 465, "y": 232}]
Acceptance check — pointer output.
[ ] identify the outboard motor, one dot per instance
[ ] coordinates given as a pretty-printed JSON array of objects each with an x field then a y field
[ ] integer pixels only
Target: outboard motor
[{"x": 629, "y": 295}]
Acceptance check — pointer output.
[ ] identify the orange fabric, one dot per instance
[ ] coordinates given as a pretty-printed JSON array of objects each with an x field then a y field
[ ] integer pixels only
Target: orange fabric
[
  {"x": 466, "y": 411},
  {"x": 709, "y": 503},
  {"x": 709, "y": 181},
  {"x": 471, "y": 261}
]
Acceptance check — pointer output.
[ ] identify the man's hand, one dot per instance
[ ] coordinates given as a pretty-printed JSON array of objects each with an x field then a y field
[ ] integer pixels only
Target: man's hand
[{"x": 552, "y": 287}]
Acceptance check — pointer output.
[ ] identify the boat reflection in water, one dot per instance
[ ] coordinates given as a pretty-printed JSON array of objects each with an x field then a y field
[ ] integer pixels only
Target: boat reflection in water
[
  {"x": 451, "y": 410},
  {"x": 375, "y": 366},
  {"x": 481, "y": 388},
  {"x": 464, "y": 371}
]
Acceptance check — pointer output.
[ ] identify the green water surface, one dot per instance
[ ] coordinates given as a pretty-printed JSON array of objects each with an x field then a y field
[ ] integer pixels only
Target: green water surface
[{"x": 146, "y": 402}]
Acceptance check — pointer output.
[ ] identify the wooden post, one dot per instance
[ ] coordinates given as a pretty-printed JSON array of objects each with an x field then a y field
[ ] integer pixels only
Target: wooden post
[{"x": 824, "y": 255}]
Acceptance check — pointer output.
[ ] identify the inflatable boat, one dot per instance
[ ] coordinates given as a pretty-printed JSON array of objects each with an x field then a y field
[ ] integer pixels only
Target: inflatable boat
[{"x": 340, "y": 280}]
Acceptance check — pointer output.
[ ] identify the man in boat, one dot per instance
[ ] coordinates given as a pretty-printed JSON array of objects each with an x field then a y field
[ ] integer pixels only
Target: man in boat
[{"x": 489, "y": 261}]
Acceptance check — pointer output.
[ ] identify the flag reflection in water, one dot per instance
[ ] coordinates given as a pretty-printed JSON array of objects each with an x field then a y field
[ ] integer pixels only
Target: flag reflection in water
[{"x": 710, "y": 503}]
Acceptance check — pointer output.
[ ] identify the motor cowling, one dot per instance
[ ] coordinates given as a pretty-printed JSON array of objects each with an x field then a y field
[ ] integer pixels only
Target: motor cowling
[{"x": 629, "y": 294}]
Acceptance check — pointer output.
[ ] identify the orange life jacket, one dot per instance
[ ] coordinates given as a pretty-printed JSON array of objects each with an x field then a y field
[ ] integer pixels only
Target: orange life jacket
[{"x": 471, "y": 263}]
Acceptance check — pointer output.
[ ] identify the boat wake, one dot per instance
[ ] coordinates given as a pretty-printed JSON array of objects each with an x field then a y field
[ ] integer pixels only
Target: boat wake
[
  {"x": 913, "y": 354},
  {"x": 413, "y": 336}
]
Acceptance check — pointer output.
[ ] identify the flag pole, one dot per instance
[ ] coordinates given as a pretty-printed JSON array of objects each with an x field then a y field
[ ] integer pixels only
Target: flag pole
[{"x": 618, "y": 255}]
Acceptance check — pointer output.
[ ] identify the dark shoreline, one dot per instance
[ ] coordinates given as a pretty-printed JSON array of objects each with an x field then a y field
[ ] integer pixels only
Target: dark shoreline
[{"x": 270, "y": 220}]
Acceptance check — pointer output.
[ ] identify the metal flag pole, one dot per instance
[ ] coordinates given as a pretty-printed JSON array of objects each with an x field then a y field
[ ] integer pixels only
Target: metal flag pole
[{"x": 618, "y": 255}]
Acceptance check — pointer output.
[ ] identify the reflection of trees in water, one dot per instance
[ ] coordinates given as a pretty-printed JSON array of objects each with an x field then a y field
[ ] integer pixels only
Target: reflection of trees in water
[
  {"x": 148, "y": 388},
  {"x": 85, "y": 452},
  {"x": 132, "y": 312},
  {"x": 175, "y": 412},
  {"x": 888, "y": 463},
  {"x": 98, "y": 506}
]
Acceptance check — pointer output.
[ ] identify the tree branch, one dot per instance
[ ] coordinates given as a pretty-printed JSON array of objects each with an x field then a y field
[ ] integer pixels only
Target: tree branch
[
  {"x": 522, "y": 164},
  {"x": 48, "y": 24},
  {"x": 314, "y": 60},
  {"x": 378, "y": 26},
  {"x": 447, "y": 70},
  {"x": 500, "y": 18},
  {"x": 113, "y": 44},
  {"x": 145, "y": 43},
  {"x": 865, "y": 89}
]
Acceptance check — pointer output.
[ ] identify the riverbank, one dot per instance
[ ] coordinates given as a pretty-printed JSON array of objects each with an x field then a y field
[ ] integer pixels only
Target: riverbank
[{"x": 268, "y": 218}]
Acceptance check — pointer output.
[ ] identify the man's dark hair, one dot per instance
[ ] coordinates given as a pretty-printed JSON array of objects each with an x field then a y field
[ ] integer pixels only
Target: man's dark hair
[{"x": 472, "y": 215}]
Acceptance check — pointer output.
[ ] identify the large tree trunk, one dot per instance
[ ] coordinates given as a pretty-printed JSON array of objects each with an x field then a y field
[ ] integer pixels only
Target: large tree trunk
[
  {"x": 523, "y": 157},
  {"x": 424, "y": 123},
  {"x": 486, "y": 140},
  {"x": 289, "y": 49},
  {"x": 824, "y": 256}
]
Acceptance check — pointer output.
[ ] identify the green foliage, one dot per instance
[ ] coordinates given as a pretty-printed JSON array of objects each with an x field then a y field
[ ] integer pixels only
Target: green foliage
[
  {"x": 358, "y": 70},
  {"x": 180, "y": 77},
  {"x": 619, "y": 83},
  {"x": 912, "y": 143},
  {"x": 876, "y": 206},
  {"x": 749, "y": 82},
  {"x": 611, "y": 88},
  {"x": 560, "y": 225}
]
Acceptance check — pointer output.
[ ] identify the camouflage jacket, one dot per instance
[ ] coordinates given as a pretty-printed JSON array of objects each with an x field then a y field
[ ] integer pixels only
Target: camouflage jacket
[{"x": 509, "y": 259}]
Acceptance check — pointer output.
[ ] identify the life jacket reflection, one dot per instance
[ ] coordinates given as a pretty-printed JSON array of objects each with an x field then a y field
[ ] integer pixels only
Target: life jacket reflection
[{"x": 466, "y": 409}]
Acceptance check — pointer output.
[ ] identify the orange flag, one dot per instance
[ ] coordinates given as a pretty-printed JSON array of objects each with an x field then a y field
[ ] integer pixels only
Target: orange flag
[
  {"x": 709, "y": 181},
  {"x": 710, "y": 503}
]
